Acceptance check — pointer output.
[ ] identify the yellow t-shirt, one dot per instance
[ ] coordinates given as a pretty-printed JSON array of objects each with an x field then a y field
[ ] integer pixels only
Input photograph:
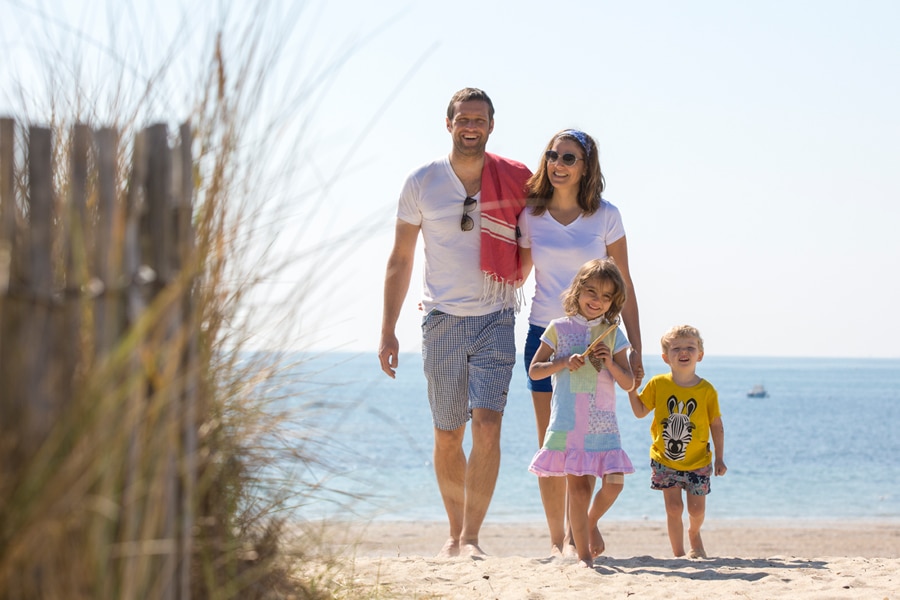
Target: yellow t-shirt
[{"x": 681, "y": 418}]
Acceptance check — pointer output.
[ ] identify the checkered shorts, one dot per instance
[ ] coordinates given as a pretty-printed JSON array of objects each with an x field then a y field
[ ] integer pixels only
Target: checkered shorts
[{"x": 468, "y": 364}]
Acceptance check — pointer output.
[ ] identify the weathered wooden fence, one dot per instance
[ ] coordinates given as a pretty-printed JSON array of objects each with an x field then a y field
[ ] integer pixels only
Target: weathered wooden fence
[{"x": 97, "y": 339}]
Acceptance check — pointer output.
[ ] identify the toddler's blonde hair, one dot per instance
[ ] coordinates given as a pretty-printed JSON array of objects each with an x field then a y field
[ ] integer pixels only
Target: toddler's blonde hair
[{"x": 680, "y": 331}]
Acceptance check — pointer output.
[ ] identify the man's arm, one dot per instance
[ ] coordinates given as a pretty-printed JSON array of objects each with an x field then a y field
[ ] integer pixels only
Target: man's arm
[{"x": 396, "y": 285}]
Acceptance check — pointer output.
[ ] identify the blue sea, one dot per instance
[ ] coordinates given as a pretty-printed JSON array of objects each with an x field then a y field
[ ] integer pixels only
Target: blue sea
[{"x": 824, "y": 445}]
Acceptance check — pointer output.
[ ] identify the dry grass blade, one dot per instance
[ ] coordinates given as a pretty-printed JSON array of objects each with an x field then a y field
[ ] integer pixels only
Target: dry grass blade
[
  {"x": 155, "y": 464},
  {"x": 599, "y": 339}
]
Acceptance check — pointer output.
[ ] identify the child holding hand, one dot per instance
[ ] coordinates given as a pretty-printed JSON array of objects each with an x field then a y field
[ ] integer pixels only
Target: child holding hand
[
  {"x": 686, "y": 415},
  {"x": 587, "y": 355}
]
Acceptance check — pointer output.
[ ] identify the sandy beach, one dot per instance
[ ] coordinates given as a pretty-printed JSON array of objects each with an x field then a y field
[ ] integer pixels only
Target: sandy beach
[{"x": 748, "y": 559}]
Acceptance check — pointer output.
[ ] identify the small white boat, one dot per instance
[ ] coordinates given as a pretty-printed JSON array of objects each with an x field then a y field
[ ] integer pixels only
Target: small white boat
[{"x": 757, "y": 391}]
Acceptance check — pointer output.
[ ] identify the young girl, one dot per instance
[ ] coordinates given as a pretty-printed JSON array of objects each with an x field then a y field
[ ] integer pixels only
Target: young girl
[{"x": 586, "y": 354}]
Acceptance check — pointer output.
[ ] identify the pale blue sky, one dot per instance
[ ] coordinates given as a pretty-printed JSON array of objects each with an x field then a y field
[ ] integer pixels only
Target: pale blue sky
[{"x": 752, "y": 148}]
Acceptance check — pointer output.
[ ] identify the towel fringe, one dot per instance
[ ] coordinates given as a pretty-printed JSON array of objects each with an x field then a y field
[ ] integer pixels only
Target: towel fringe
[{"x": 510, "y": 294}]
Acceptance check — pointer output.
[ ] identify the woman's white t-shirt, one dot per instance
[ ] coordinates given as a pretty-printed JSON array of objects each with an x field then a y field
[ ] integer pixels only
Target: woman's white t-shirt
[{"x": 558, "y": 251}]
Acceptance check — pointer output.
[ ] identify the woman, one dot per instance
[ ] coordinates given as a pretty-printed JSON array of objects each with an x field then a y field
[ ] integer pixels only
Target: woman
[{"x": 566, "y": 224}]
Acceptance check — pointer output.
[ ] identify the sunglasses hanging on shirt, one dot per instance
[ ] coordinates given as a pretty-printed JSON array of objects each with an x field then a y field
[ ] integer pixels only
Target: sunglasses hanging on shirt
[{"x": 467, "y": 223}]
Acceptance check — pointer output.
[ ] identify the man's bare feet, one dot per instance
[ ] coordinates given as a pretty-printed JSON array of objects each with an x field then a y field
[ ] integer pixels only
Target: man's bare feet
[
  {"x": 472, "y": 549},
  {"x": 597, "y": 543},
  {"x": 586, "y": 563},
  {"x": 450, "y": 549},
  {"x": 556, "y": 551}
]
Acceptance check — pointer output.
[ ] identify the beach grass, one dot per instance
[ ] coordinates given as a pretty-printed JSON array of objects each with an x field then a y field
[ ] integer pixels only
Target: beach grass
[{"x": 80, "y": 513}]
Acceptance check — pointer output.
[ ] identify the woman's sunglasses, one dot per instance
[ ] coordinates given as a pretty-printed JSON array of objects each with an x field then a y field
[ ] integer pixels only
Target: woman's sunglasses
[
  {"x": 567, "y": 159},
  {"x": 467, "y": 224}
]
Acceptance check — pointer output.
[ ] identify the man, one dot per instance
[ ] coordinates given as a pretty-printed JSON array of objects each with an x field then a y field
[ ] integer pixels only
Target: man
[{"x": 466, "y": 206}]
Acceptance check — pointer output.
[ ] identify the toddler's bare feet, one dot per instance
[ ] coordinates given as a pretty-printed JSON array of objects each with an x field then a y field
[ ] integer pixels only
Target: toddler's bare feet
[
  {"x": 697, "y": 553},
  {"x": 450, "y": 549},
  {"x": 597, "y": 543},
  {"x": 696, "y": 541}
]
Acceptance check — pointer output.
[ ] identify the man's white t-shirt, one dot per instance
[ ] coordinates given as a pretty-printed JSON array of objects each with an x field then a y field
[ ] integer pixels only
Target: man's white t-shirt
[{"x": 453, "y": 282}]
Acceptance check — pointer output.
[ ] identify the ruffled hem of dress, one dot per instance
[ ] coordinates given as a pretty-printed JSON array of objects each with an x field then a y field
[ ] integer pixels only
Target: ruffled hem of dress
[{"x": 557, "y": 463}]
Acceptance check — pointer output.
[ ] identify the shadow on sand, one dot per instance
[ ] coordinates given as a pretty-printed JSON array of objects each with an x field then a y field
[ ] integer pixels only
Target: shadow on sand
[{"x": 712, "y": 569}]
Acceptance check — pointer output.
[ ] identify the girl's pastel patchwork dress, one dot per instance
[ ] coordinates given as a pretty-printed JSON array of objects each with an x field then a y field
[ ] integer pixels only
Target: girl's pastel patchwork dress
[{"x": 583, "y": 435}]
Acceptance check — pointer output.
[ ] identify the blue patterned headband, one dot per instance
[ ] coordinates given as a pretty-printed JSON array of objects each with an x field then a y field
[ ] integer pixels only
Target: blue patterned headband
[{"x": 581, "y": 136}]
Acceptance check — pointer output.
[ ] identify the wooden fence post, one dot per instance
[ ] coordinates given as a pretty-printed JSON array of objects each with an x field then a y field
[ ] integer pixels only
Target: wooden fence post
[
  {"x": 76, "y": 281},
  {"x": 75, "y": 238},
  {"x": 108, "y": 248},
  {"x": 184, "y": 214},
  {"x": 41, "y": 372},
  {"x": 10, "y": 410},
  {"x": 157, "y": 241},
  {"x": 8, "y": 208},
  {"x": 134, "y": 570}
]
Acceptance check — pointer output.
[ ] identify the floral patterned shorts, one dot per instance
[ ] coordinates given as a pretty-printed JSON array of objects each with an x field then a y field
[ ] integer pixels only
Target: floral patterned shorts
[{"x": 693, "y": 482}]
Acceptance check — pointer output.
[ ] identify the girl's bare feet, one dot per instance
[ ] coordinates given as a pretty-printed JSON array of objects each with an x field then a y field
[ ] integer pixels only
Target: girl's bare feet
[{"x": 597, "y": 543}]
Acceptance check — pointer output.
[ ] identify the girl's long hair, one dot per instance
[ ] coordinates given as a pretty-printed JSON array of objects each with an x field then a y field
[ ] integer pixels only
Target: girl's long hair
[{"x": 604, "y": 269}]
